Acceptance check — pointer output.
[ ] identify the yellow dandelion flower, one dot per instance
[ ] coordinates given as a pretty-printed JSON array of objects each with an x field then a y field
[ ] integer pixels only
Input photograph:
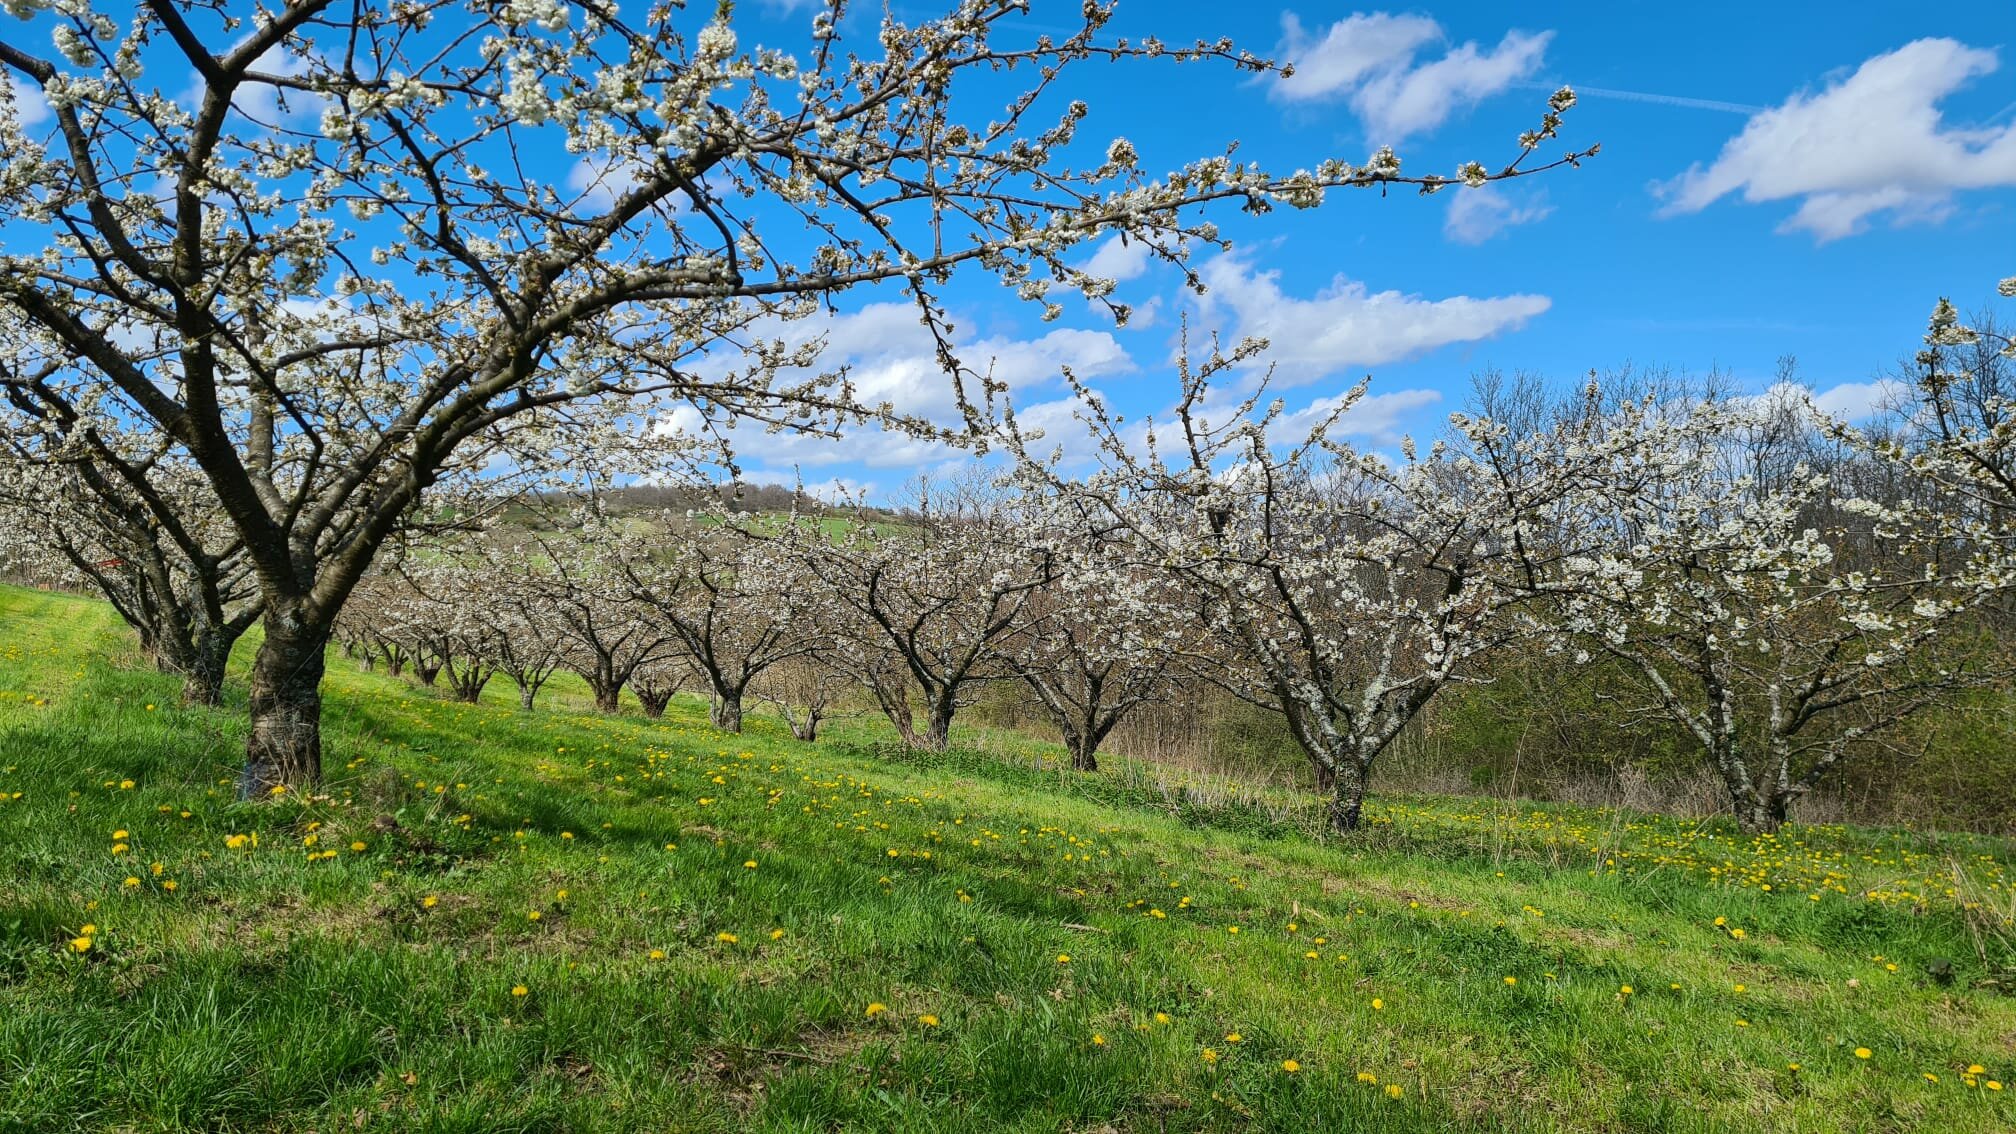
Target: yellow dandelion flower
[
  {"x": 1098, "y": 1040},
  {"x": 519, "y": 990},
  {"x": 80, "y": 944},
  {"x": 1290, "y": 1066},
  {"x": 1210, "y": 1055},
  {"x": 928, "y": 1020},
  {"x": 1510, "y": 981},
  {"x": 1394, "y": 1090},
  {"x": 533, "y": 915},
  {"x": 727, "y": 938},
  {"x": 1367, "y": 1077},
  {"x": 1863, "y": 1053},
  {"x": 1063, "y": 958},
  {"x": 130, "y": 882}
]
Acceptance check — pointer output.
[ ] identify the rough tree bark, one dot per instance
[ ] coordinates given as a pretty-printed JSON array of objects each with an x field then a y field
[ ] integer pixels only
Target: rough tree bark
[{"x": 285, "y": 744}]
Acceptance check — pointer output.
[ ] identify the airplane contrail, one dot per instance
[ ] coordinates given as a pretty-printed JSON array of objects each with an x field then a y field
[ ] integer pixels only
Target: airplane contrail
[{"x": 1656, "y": 99}]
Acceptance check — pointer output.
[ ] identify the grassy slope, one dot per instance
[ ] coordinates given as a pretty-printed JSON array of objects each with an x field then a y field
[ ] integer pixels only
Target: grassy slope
[{"x": 726, "y": 984}]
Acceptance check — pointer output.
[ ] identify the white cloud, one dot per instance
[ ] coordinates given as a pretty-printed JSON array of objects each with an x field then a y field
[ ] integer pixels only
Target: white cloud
[
  {"x": 1347, "y": 325},
  {"x": 1477, "y": 215},
  {"x": 1378, "y": 417},
  {"x": 597, "y": 181},
  {"x": 1847, "y": 401},
  {"x": 1370, "y": 61},
  {"x": 1118, "y": 259},
  {"x": 892, "y": 359},
  {"x": 1869, "y": 144},
  {"x": 260, "y": 102},
  {"x": 1857, "y": 401},
  {"x": 30, "y": 108}
]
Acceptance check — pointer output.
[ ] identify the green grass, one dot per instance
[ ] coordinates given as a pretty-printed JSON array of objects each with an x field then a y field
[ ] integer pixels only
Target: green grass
[{"x": 281, "y": 987}]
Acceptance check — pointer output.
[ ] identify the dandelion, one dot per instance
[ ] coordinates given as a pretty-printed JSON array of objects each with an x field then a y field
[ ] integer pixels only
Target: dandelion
[
  {"x": 1394, "y": 1090},
  {"x": 1624, "y": 990},
  {"x": 119, "y": 848},
  {"x": 1368, "y": 1077},
  {"x": 776, "y": 935},
  {"x": 1510, "y": 981},
  {"x": 83, "y": 945},
  {"x": 235, "y": 842},
  {"x": 1993, "y": 1085},
  {"x": 1863, "y": 1053},
  {"x": 1233, "y": 1037},
  {"x": 429, "y": 902},
  {"x": 1063, "y": 958},
  {"x": 750, "y": 865},
  {"x": 533, "y": 915},
  {"x": 1163, "y": 1018},
  {"x": 170, "y": 886},
  {"x": 727, "y": 938},
  {"x": 1930, "y": 1077},
  {"x": 1976, "y": 1069},
  {"x": 657, "y": 954},
  {"x": 1210, "y": 1055},
  {"x": 358, "y": 846},
  {"x": 1290, "y": 1066},
  {"x": 119, "y": 835},
  {"x": 928, "y": 1020},
  {"x": 520, "y": 990},
  {"x": 1098, "y": 1040},
  {"x": 1378, "y": 1005},
  {"x": 130, "y": 882}
]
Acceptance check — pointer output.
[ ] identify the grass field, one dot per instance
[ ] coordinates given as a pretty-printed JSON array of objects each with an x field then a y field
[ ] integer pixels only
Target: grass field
[{"x": 499, "y": 921}]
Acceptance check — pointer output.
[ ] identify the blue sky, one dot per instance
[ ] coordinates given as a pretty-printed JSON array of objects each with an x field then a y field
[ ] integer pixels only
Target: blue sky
[
  {"x": 1878, "y": 173},
  {"x": 1776, "y": 179}
]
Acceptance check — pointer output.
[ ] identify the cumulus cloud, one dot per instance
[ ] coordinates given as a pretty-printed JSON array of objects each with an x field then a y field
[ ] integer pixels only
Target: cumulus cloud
[
  {"x": 1846, "y": 401},
  {"x": 30, "y": 108},
  {"x": 1381, "y": 418},
  {"x": 1118, "y": 260},
  {"x": 1375, "y": 63},
  {"x": 891, "y": 359},
  {"x": 1477, "y": 215},
  {"x": 1857, "y": 401},
  {"x": 1868, "y": 144},
  {"x": 1346, "y": 324},
  {"x": 597, "y": 181}
]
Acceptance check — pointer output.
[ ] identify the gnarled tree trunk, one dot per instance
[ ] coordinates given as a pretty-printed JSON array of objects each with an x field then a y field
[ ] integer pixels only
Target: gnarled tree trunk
[
  {"x": 285, "y": 745},
  {"x": 725, "y": 711}
]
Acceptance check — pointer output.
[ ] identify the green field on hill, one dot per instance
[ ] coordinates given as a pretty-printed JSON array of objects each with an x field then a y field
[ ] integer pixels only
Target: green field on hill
[{"x": 505, "y": 921}]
